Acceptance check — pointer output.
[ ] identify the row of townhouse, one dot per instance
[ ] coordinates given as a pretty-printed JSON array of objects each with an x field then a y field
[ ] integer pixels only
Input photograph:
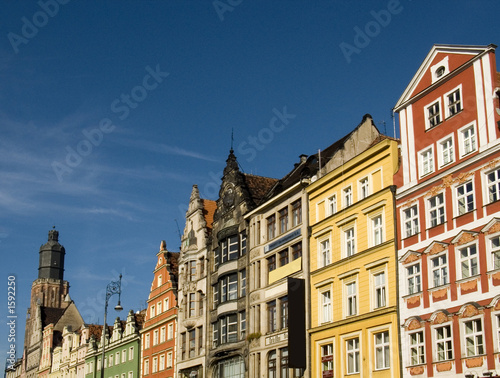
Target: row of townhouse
[{"x": 375, "y": 257}]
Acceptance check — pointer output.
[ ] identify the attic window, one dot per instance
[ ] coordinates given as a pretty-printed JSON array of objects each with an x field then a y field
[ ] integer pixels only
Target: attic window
[{"x": 440, "y": 72}]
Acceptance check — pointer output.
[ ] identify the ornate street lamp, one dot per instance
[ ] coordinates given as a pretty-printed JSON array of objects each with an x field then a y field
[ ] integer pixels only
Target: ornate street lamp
[{"x": 114, "y": 287}]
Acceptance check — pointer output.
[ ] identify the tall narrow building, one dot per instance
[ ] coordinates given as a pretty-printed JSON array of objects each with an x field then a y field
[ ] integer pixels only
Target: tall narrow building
[
  {"x": 448, "y": 210},
  {"x": 192, "y": 292}
]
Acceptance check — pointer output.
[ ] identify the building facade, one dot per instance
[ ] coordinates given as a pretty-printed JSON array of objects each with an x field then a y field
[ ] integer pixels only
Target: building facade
[
  {"x": 192, "y": 291},
  {"x": 228, "y": 262},
  {"x": 448, "y": 213},
  {"x": 158, "y": 349},
  {"x": 354, "y": 324}
]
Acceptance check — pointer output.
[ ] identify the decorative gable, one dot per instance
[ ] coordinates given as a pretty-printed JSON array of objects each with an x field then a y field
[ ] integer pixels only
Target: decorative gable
[
  {"x": 464, "y": 237},
  {"x": 410, "y": 257},
  {"x": 492, "y": 227},
  {"x": 435, "y": 247}
]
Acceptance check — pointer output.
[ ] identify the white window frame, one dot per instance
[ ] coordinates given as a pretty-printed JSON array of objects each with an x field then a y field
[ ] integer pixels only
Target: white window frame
[
  {"x": 163, "y": 334},
  {"x": 439, "y": 209},
  {"x": 131, "y": 353},
  {"x": 474, "y": 336},
  {"x": 170, "y": 334},
  {"x": 494, "y": 252},
  {"x": 169, "y": 360},
  {"x": 418, "y": 346},
  {"x": 347, "y": 196},
  {"x": 147, "y": 341},
  {"x": 146, "y": 366},
  {"x": 351, "y": 305},
  {"x": 496, "y": 333},
  {"x": 377, "y": 230},
  {"x": 416, "y": 277},
  {"x": 441, "y": 151},
  {"x": 439, "y": 271},
  {"x": 162, "y": 362},
  {"x": 426, "y": 161},
  {"x": 461, "y": 259},
  {"x": 154, "y": 369},
  {"x": 412, "y": 220},
  {"x": 379, "y": 290},
  {"x": 438, "y": 115},
  {"x": 463, "y": 151},
  {"x": 349, "y": 240},
  {"x": 447, "y": 105},
  {"x": 325, "y": 310},
  {"x": 352, "y": 348},
  {"x": 124, "y": 355},
  {"x": 326, "y": 364},
  {"x": 324, "y": 254},
  {"x": 364, "y": 187},
  {"x": 446, "y": 342},
  {"x": 465, "y": 198},
  {"x": 383, "y": 347},
  {"x": 495, "y": 185},
  {"x": 331, "y": 205}
]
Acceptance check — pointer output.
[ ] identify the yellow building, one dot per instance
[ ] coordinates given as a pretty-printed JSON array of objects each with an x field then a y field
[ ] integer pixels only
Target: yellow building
[{"x": 354, "y": 324}]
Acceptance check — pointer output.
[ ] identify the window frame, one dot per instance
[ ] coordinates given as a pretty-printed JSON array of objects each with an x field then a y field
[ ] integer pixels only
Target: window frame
[
  {"x": 475, "y": 334},
  {"x": 426, "y": 159},
  {"x": 327, "y": 359},
  {"x": 447, "y": 108},
  {"x": 463, "y": 152},
  {"x": 460, "y": 260},
  {"x": 413, "y": 275},
  {"x": 439, "y": 208},
  {"x": 349, "y": 240},
  {"x": 443, "y": 279},
  {"x": 328, "y": 309},
  {"x": 493, "y": 252},
  {"x": 419, "y": 347},
  {"x": 385, "y": 347},
  {"x": 469, "y": 204},
  {"x": 446, "y": 341},
  {"x": 351, "y": 297},
  {"x": 331, "y": 205},
  {"x": 382, "y": 288},
  {"x": 324, "y": 254},
  {"x": 347, "y": 196},
  {"x": 488, "y": 185},
  {"x": 412, "y": 220},
  {"x": 441, "y": 149},
  {"x": 364, "y": 187},
  {"x": 428, "y": 115},
  {"x": 355, "y": 351},
  {"x": 374, "y": 228}
]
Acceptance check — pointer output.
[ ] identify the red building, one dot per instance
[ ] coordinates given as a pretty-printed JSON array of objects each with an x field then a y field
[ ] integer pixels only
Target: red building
[
  {"x": 448, "y": 211},
  {"x": 158, "y": 337}
]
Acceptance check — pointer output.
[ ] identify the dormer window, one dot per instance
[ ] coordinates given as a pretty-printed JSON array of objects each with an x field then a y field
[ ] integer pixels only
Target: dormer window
[{"x": 440, "y": 71}]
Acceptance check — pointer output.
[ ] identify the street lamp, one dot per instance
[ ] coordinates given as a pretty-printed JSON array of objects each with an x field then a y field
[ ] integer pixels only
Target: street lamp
[{"x": 114, "y": 287}]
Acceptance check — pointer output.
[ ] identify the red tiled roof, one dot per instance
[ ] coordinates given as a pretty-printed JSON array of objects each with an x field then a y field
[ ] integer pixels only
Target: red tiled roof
[
  {"x": 258, "y": 186},
  {"x": 209, "y": 208}
]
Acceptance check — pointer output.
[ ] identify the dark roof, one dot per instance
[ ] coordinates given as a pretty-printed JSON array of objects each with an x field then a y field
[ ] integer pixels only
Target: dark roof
[
  {"x": 51, "y": 315},
  {"x": 258, "y": 186},
  {"x": 140, "y": 318},
  {"x": 173, "y": 260}
]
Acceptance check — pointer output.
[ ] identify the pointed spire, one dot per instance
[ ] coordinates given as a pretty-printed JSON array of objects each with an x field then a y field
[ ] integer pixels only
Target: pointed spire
[{"x": 231, "y": 163}]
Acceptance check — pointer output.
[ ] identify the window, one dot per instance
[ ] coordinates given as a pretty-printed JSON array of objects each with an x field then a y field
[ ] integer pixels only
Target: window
[
  {"x": 283, "y": 257},
  {"x": 229, "y": 250},
  {"x": 379, "y": 286},
  {"x": 283, "y": 312},
  {"x": 413, "y": 278},
  {"x": 433, "y": 115},
  {"x": 155, "y": 337},
  {"x": 325, "y": 252},
  {"x": 155, "y": 365},
  {"x": 364, "y": 188},
  {"x": 465, "y": 198},
  {"x": 201, "y": 297},
  {"x": 243, "y": 283},
  {"x": 124, "y": 355},
  {"x": 444, "y": 345},
  {"x": 426, "y": 162},
  {"x": 494, "y": 186},
  {"x": 166, "y": 304},
  {"x": 326, "y": 306},
  {"x": 170, "y": 331},
  {"x": 382, "y": 352},
  {"x": 158, "y": 307},
  {"x": 271, "y": 263},
  {"x": 131, "y": 353},
  {"x": 162, "y": 362},
  {"x": 296, "y": 251},
  {"x": 454, "y": 102},
  {"x": 351, "y": 297},
  {"x": 271, "y": 227},
  {"x": 347, "y": 196},
  {"x": 192, "y": 342},
  {"x": 271, "y": 316},
  {"x": 410, "y": 216},
  {"x": 474, "y": 337},
  {"x": 159, "y": 280},
  {"x": 146, "y": 367},
  {"x": 352, "y": 347},
  {"x": 439, "y": 269},
  {"x": 146, "y": 342},
  {"x": 271, "y": 364},
  {"x": 495, "y": 251},
  {"x": 284, "y": 362},
  {"x": 130, "y": 374},
  {"x": 296, "y": 213},
  {"x": 327, "y": 360},
  {"x": 169, "y": 359},
  {"x": 192, "y": 302},
  {"x": 243, "y": 324},
  {"x": 163, "y": 334},
  {"x": 468, "y": 261},
  {"x": 497, "y": 319},
  {"x": 215, "y": 328},
  {"x": 226, "y": 289},
  {"x": 377, "y": 230},
  {"x": 349, "y": 242},
  {"x": 283, "y": 213},
  {"x": 417, "y": 355},
  {"x": 192, "y": 270},
  {"x": 331, "y": 205},
  {"x": 436, "y": 210},
  {"x": 467, "y": 140},
  {"x": 446, "y": 152},
  {"x": 152, "y": 312},
  {"x": 110, "y": 361}
]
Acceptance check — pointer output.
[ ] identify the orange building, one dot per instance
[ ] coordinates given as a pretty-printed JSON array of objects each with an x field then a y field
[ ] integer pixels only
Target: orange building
[
  {"x": 448, "y": 211},
  {"x": 158, "y": 347}
]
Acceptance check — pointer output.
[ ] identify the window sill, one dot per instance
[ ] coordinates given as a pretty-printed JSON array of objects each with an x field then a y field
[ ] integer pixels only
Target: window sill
[
  {"x": 461, "y": 215},
  {"x": 413, "y": 294},
  {"x": 411, "y": 236},
  {"x": 440, "y": 287},
  {"x": 437, "y": 225},
  {"x": 470, "y": 278}
]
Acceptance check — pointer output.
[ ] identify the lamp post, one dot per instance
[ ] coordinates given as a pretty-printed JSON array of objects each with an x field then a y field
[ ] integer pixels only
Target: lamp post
[{"x": 114, "y": 287}]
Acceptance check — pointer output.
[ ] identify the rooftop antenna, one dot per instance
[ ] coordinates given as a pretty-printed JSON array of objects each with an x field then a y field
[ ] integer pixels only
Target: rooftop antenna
[
  {"x": 385, "y": 129},
  {"x": 232, "y": 138},
  {"x": 178, "y": 230},
  {"x": 393, "y": 122}
]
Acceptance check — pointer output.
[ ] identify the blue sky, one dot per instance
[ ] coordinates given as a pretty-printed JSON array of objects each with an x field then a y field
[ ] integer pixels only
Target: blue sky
[{"x": 110, "y": 111}]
